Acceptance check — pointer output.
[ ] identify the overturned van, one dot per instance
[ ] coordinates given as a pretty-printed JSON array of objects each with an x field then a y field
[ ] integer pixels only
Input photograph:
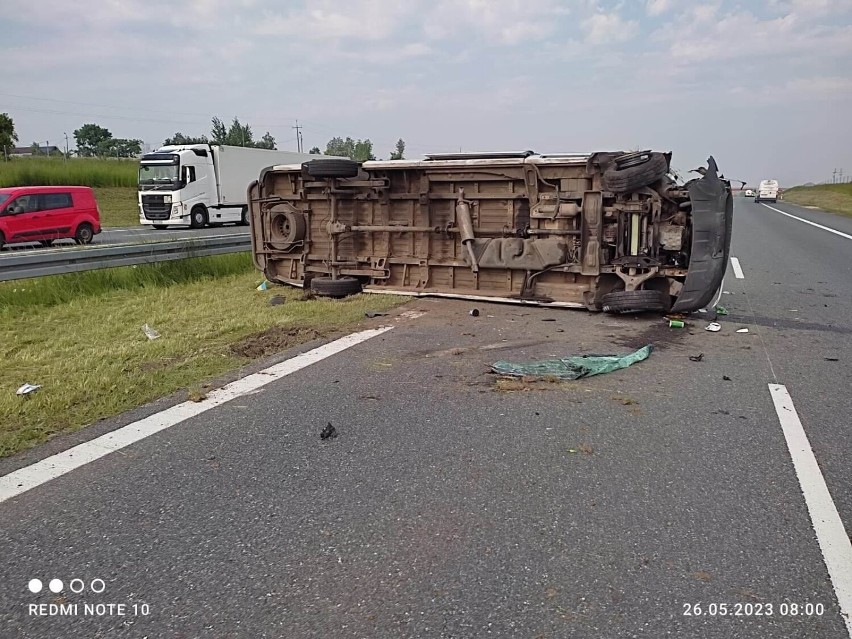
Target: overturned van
[{"x": 617, "y": 232}]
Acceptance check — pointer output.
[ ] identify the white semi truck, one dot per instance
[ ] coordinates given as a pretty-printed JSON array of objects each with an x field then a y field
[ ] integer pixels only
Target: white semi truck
[{"x": 197, "y": 185}]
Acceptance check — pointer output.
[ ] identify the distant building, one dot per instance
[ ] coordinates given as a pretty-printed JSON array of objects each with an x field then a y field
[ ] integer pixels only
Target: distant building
[{"x": 28, "y": 151}]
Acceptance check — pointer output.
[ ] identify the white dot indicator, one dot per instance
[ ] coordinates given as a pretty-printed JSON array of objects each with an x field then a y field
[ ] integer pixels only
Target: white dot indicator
[
  {"x": 55, "y": 585},
  {"x": 35, "y": 585},
  {"x": 77, "y": 586},
  {"x": 98, "y": 588}
]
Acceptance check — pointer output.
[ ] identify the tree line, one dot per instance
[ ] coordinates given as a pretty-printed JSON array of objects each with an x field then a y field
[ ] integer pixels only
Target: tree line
[{"x": 94, "y": 140}]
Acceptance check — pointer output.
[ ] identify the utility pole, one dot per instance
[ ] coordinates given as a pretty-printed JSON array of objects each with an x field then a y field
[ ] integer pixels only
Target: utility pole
[
  {"x": 298, "y": 136},
  {"x": 834, "y": 176},
  {"x": 66, "y": 147}
]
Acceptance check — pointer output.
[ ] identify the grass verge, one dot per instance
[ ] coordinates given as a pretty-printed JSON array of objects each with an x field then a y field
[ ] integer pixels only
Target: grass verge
[
  {"x": 80, "y": 336},
  {"x": 835, "y": 198},
  {"x": 76, "y": 171},
  {"x": 118, "y": 206}
]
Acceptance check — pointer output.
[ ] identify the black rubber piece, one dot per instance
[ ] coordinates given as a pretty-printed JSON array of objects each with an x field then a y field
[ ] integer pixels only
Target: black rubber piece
[
  {"x": 327, "y": 287},
  {"x": 635, "y": 301},
  {"x": 331, "y": 168},
  {"x": 625, "y": 179}
]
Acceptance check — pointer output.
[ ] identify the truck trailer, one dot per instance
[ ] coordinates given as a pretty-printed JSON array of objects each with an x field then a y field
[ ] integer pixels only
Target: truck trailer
[
  {"x": 199, "y": 184},
  {"x": 610, "y": 231}
]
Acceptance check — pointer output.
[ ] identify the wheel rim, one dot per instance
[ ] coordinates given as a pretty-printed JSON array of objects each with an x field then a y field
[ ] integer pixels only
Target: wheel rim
[{"x": 85, "y": 234}]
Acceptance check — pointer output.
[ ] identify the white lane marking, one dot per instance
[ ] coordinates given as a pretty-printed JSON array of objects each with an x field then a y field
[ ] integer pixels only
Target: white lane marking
[
  {"x": 738, "y": 270},
  {"x": 819, "y": 226},
  {"x": 57, "y": 465},
  {"x": 831, "y": 535}
]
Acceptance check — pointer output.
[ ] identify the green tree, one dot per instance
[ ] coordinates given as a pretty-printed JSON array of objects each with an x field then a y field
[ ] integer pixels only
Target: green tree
[
  {"x": 358, "y": 150},
  {"x": 91, "y": 139},
  {"x": 180, "y": 138},
  {"x": 315, "y": 151},
  {"x": 8, "y": 137},
  {"x": 399, "y": 154},
  {"x": 266, "y": 142},
  {"x": 219, "y": 132},
  {"x": 239, "y": 134}
]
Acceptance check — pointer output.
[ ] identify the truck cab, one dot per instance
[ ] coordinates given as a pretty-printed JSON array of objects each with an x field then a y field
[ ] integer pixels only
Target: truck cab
[{"x": 177, "y": 186}]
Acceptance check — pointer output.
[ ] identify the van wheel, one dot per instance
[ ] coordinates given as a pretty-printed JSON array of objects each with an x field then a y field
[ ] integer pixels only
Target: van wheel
[
  {"x": 635, "y": 301},
  {"x": 244, "y": 217},
  {"x": 634, "y": 171},
  {"x": 160, "y": 227},
  {"x": 198, "y": 218},
  {"x": 331, "y": 168},
  {"x": 2, "y": 240},
  {"x": 46, "y": 243},
  {"x": 84, "y": 234},
  {"x": 328, "y": 287}
]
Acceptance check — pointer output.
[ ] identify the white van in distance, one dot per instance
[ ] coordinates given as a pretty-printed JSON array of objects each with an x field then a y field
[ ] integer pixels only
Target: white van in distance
[{"x": 767, "y": 191}]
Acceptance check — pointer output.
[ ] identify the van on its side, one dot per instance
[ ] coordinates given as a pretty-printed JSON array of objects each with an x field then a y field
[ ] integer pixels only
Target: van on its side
[
  {"x": 767, "y": 191},
  {"x": 46, "y": 213}
]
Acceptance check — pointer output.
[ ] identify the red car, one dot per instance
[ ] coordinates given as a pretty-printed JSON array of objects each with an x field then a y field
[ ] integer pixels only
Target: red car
[{"x": 46, "y": 213}]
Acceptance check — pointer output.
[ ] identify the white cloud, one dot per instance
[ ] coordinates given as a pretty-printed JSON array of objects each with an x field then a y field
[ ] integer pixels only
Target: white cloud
[
  {"x": 506, "y": 22},
  {"x": 658, "y": 7},
  {"x": 603, "y": 28}
]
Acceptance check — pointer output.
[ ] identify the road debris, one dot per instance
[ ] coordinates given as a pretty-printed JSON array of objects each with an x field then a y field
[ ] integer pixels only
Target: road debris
[
  {"x": 28, "y": 388},
  {"x": 721, "y": 310},
  {"x": 549, "y": 319},
  {"x": 372, "y": 314},
  {"x": 329, "y": 432},
  {"x": 474, "y": 312},
  {"x": 831, "y": 359},
  {"x": 150, "y": 333},
  {"x": 713, "y": 327},
  {"x": 264, "y": 286},
  {"x": 696, "y": 358},
  {"x": 742, "y": 330},
  {"x": 676, "y": 323},
  {"x": 726, "y": 378},
  {"x": 276, "y": 300},
  {"x": 573, "y": 367}
]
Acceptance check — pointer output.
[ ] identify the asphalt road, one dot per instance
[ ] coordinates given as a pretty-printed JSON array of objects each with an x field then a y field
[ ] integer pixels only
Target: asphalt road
[
  {"x": 138, "y": 235},
  {"x": 449, "y": 508}
]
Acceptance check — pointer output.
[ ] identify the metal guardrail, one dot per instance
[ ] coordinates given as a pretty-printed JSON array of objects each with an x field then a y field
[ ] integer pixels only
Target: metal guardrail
[{"x": 57, "y": 262}]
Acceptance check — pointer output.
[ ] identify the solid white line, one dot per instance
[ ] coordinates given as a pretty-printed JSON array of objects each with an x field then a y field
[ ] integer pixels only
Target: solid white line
[
  {"x": 738, "y": 270},
  {"x": 57, "y": 465},
  {"x": 831, "y": 535},
  {"x": 819, "y": 226}
]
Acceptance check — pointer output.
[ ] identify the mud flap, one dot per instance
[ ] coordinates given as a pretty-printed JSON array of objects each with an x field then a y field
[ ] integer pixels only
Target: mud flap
[{"x": 712, "y": 221}]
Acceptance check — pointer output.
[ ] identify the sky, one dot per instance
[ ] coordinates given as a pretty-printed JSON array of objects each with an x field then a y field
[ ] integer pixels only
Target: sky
[{"x": 764, "y": 87}]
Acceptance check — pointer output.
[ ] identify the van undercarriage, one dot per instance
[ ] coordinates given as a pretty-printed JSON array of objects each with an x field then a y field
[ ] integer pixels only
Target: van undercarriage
[{"x": 604, "y": 231}]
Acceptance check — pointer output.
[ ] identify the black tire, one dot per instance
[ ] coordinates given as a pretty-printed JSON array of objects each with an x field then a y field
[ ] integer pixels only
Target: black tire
[
  {"x": 46, "y": 243},
  {"x": 198, "y": 218},
  {"x": 244, "y": 220},
  {"x": 288, "y": 228},
  {"x": 321, "y": 169},
  {"x": 2, "y": 241},
  {"x": 85, "y": 233},
  {"x": 160, "y": 227},
  {"x": 327, "y": 287},
  {"x": 629, "y": 176},
  {"x": 635, "y": 302}
]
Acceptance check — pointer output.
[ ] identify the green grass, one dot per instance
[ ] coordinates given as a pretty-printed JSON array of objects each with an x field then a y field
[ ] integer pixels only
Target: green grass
[
  {"x": 80, "y": 336},
  {"x": 836, "y": 198},
  {"x": 119, "y": 206},
  {"x": 76, "y": 172}
]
